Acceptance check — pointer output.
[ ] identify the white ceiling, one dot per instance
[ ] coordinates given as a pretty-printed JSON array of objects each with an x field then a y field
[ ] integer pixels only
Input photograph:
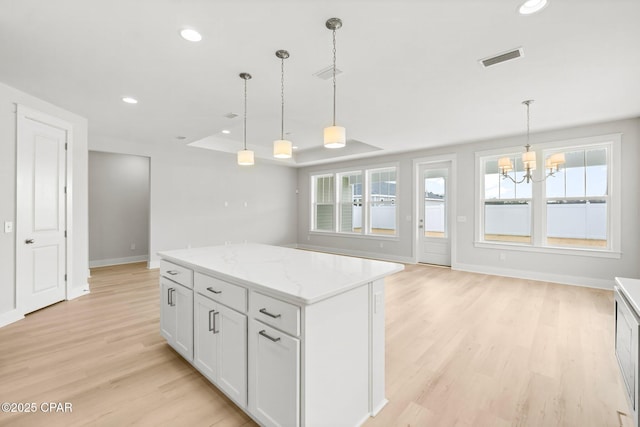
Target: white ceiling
[{"x": 410, "y": 80}]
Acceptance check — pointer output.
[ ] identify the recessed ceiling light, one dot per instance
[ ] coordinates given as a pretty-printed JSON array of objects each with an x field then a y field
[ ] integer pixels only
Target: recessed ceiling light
[
  {"x": 190, "y": 35},
  {"x": 129, "y": 100},
  {"x": 295, "y": 147},
  {"x": 532, "y": 6},
  {"x": 226, "y": 131}
]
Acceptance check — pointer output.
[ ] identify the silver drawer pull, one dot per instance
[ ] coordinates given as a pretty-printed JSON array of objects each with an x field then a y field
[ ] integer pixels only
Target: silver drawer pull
[
  {"x": 264, "y": 334},
  {"x": 264, "y": 311},
  {"x": 172, "y": 272},
  {"x": 210, "y": 289}
]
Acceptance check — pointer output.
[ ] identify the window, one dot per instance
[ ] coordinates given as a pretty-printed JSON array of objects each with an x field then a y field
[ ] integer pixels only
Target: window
[
  {"x": 350, "y": 202},
  {"x": 577, "y": 200},
  {"x": 574, "y": 208},
  {"x": 365, "y": 200},
  {"x": 382, "y": 201},
  {"x": 507, "y": 205},
  {"x": 323, "y": 202}
]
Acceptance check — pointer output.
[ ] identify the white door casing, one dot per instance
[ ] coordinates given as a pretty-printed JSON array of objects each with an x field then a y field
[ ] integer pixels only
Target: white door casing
[
  {"x": 41, "y": 210},
  {"x": 434, "y": 219}
]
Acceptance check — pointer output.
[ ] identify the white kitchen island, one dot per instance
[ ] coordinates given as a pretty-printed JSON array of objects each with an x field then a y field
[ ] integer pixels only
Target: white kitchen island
[{"x": 293, "y": 337}]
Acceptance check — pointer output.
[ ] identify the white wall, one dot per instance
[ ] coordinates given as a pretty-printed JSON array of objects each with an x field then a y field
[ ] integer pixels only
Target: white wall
[
  {"x": 574, "y": 269},
  {"x": 201, "y": 197},
  {"x": 118, "y": 208},
  {"x": 9, "y": 97}
]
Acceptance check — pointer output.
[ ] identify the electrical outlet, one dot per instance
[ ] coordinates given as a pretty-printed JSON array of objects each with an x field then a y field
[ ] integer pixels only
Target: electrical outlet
[
  {"x": 133, "y": 246},
  {"x": 381, "y": 245},
  {"x": 8, "y": 227},
  {"x": 503, "y": 256}
]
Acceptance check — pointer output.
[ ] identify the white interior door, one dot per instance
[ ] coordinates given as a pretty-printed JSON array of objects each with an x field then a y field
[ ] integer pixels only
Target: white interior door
[
  {"x": 41, "y": 213},
  {"x": 433, "y": 221}
]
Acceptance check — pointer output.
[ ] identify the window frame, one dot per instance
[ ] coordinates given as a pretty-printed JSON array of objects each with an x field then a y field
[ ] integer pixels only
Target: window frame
[
  {"x": 314, "y": 202},
  {"x": 366, "y": 217},
  {"x": 539, "y": 199}
]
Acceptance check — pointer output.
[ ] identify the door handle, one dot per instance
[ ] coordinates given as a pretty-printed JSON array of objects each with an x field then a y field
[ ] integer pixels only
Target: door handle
[
  {"x": 28, "y": 241},
  {"x": 171, "y": 302},
  {"x": 212, "y": 319}
]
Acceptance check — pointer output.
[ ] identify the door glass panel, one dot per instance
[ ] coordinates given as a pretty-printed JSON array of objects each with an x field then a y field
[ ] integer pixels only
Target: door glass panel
[{"x": 435, "y": 206}]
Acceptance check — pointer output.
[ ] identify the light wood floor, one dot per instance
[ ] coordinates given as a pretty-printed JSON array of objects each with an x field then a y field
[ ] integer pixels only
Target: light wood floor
[{"x": 463, "y": 349}]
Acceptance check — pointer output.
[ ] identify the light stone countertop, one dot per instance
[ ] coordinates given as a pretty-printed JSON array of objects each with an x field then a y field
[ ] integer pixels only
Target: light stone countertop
[
  {"x": 299, "y": 276},
  {"x": 631, "y": 289}
]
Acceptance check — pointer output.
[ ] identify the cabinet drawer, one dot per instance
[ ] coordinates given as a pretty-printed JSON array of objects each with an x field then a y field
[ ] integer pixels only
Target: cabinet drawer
[
  {"x": 279, "y": 314},
  {"x": 177, "y": 273},
  {"x": 231, "y": 295}
]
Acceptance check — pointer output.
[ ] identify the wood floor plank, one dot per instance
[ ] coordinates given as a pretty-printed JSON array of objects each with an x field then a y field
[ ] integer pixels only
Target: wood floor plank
[{"x": 462, "y": 349}]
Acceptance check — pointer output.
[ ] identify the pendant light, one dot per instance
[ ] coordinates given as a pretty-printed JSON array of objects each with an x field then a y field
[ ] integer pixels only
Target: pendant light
[
  {"x": 552, "y": 163},
  {"x": 281, "y": 147},
  {"x": 334, "y": 136},
  {"x": 245, "y": 157}
]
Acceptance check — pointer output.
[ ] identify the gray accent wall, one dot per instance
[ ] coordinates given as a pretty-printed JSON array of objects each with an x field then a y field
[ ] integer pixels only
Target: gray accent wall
[
  {"x": 118, "y": 208},
  {"x": 572, "y": 269},
  {"x": 201, "y": 197}
]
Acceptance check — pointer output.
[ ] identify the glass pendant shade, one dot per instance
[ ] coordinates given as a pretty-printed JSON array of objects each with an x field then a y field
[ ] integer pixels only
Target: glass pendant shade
[
  {"x": 282, "y": 149},
  {"x": 335, "y": 137},
  {"x": 245, "y": 158}
]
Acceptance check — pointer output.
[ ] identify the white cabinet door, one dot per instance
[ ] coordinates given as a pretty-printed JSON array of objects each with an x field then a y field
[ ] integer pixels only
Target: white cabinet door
[
  {"x": 176, "y": 316},
  {"x": 206, "y": 341},
  {"x": 232, "y": 354},
  {"x": 183, "y": 301},
  {"x": 167, "y": 310},
  {"x": 221, "y": 347},
  {"x": 274, "y": 376}
]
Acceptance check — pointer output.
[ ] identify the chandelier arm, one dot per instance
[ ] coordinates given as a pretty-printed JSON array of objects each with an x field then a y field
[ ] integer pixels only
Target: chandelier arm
[{"x": 505, "y": 175}]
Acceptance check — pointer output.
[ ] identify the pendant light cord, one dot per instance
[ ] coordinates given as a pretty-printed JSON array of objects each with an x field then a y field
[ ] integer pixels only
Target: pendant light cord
[
  {"x": 244, "y": 133},
  {"x": 334, "y": 77},
  {"x": 282, "y": 98}
]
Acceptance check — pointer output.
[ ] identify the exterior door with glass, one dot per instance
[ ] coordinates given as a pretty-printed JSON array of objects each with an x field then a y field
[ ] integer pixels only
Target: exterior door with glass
[{"x": 433, "y": 221}]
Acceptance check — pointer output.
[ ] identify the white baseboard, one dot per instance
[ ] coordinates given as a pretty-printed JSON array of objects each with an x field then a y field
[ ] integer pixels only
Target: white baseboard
[
  {"x": 361, "y": 254},
  {"x": 117, "y": 261},
  {"x": 154, "y": 264},
  {"x": 74, "y": 293},
  {"x": 10, "y": 317},
  {"x": 587, "y": 282}
]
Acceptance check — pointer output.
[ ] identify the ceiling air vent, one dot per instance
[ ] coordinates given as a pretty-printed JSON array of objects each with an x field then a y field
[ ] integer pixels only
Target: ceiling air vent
[
  {"x": 327, "y": 73},
  {"x": 502, "y": 57},
  {"x": 231, "y": 115}
]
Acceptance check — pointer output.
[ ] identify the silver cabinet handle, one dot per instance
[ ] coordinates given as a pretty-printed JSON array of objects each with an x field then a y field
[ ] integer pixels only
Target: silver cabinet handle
[
  {"x": 173, "y": 272},
  {"x": 215, "y": 330},
  {"x": 170, "y": 301},
  {"x": 264, "y": 311},
  {"x": 264, "y": 334},
  {"x": 212, "y": 320},
  {"x": 28, "y": 241},
  {"x": 210, "y": 289}
]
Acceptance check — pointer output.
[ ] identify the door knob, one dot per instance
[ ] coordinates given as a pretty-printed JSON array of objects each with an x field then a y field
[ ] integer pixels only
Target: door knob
[{"x": 28, "y": 241}]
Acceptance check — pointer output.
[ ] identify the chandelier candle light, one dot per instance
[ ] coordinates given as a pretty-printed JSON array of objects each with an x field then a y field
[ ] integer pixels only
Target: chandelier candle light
[
  {"x": 282, "y": 147},
  {"x": 334, "y": 136},
  {"x": 552, "y": 163},
  {"x": 245, "y": 157}
]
